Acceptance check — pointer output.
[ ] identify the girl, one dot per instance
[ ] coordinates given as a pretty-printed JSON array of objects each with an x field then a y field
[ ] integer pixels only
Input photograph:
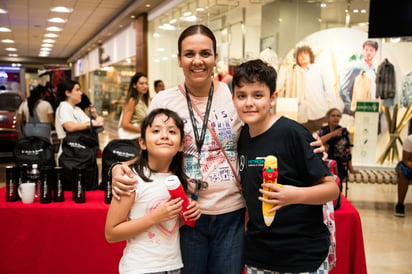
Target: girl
[
  {"x": 135, "y": 108},
  {"x": 148, "y": 219}
]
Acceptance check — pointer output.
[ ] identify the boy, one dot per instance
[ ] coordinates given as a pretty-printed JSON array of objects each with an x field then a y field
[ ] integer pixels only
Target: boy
[{"x": 297, "y": 240}]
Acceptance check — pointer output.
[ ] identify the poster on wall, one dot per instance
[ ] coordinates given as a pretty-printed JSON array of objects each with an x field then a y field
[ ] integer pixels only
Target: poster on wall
[{"x": 336, "y": 68}]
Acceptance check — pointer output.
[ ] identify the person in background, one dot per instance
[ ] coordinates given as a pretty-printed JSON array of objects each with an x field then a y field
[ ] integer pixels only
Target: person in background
[
  {"x": 215, "y": 244},
  {"x": 347, "y": 81},
  {"x": 159, "y": 85},
  {"x": 35, "y": 103},
  {"x": 135, "y": 108},
  {"x": 404, "y": 170},
  {"x": 143, "y": 217},
  {"x": 337, "y": 142},
  {"x": 297, "y": 240},
  {"x": 69, "y": 117}
]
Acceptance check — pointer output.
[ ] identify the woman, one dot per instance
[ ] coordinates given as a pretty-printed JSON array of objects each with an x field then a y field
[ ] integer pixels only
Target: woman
[
  {"x": 135, "y": 108},
  {"x": 69, "y": 117},
  {"x": 215, "y": 243},
  {"x": 404, "y": 170},
  {"x": 36, "y": 110},
  {"x": 337, "y": 143}
]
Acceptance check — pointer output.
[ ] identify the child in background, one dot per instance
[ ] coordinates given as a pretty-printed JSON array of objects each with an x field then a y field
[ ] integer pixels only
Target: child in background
[
  {"x": 148, "y": 219},
  {"x": 297, "y": 240}
]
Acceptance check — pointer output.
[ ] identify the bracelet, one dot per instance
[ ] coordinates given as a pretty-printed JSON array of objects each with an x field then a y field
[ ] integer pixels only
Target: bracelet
[{"x": 111, "y": 167}]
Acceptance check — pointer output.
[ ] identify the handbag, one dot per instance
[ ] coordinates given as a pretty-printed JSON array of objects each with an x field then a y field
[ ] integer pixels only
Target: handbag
[
  {"x": 125, "y": 134},
  {"x": 36, "y": 128}
]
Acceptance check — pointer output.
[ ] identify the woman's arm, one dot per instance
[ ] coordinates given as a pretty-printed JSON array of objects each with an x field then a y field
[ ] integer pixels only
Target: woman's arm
[{"x": 127, "y": 116}]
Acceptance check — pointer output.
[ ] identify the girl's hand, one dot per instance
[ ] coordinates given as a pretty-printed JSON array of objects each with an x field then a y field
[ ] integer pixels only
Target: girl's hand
[
  {"x": 319, "y": 147},
  {"x": 167, "y": 210},
  {"x": 193, "y": 211}
]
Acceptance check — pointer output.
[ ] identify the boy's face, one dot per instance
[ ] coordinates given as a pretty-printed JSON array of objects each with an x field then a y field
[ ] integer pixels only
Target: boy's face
[{"x": 253, "y": 102}]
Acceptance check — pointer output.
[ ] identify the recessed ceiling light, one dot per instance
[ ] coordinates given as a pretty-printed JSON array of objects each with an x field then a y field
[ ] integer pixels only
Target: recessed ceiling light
[
  {"x": 11, "y": 49},
  {"x": 62, "y": 9},
  {"x": 57, "y": 20},
  {"x": 51, "y": 35},
  {"x": 13, "y": 55},
  {"x": 46, "y": 45},
  {"x": 2, "y": 11},
  {"x": 3, "y": 29},
  {"x": 8, "y": 41},
  {"x": 49, "y": 41},
  {"x": 54, "y": 29}
]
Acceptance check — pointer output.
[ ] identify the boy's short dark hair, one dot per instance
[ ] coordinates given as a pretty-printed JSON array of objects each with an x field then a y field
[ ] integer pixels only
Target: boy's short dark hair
[
  {"x": 255, "y": 71},
  {"x": 371, "y": 43}
]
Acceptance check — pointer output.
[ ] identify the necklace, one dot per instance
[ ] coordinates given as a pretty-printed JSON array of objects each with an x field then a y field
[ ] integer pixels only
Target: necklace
[{"x": 199, "y": 139}]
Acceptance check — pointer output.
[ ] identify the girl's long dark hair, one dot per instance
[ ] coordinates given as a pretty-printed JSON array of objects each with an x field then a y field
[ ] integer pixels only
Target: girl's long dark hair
[
  {"x": 177, "y": 164},
  {"x": 35, "y": 96},
  {"x": 133, "y": 93}
]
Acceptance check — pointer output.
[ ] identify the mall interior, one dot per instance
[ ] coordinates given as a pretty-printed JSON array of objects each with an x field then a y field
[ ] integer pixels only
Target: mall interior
[{"x": 105, "y": 57}]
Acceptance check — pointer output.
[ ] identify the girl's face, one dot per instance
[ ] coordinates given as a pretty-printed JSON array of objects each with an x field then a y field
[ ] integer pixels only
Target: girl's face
[
  {"x": 197, "y": 58},
  {"x": 334, "y": 118},
  {"x": 141, "y": 85},
  {"x": 75, "y": 95},
  {"x": 162, "y": 140}
]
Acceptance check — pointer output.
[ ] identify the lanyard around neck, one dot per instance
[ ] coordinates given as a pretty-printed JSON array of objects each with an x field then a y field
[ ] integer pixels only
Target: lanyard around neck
[{"x": 200, "y": 139}]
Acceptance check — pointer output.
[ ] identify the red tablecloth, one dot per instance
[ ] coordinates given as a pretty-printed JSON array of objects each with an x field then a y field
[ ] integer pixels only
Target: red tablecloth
[
  {"x": 69, "y": 238},
  {"x": 350, "y": 251}
]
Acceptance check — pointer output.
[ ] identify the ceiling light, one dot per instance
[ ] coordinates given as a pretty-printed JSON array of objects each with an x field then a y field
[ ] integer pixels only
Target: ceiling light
[
  {"x": 3, "y": 29},
  {"x": 355, "y": 11},
  {"x": 49, "y": 41},
  {"x": 156, "y": 35},
  {"x": 323, "y": 5},
  {"x": 7, "y": 41},
  {"x": 189, "y": 18},
  {"x": 57, "y": 20},
  {"x": 61, "y": 9},
  {"x": 51, "y": 35},
  {"x": 187, "y": 13},
  {"x": 363, "y": 11},
  {"x": 2, "y": 11},
  {"x": 46, "y": 45},
  {"x": 13, "y": 55},
  {"x": 45, "y": 49},
  {"x": 11, "y": 49},
  {"x": 54, "y": 29},
  {"x": 200, "y": 9}
]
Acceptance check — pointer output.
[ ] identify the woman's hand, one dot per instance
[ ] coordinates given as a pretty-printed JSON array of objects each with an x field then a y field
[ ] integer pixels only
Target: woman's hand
[
  {"x": 193, "y": 211},
  {"x": 319, "y": 147},
  {"x": 123, "y": 181}
]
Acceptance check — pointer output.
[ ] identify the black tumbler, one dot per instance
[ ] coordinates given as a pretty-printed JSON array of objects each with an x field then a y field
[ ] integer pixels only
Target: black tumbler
[
  {"x": 58, "y": 192},
  {"x": 79, "y": 187},
  {"x": 11, "y": 183},
  {"x": 108, "y": 192},
  {"x": 46, "y": 185}
]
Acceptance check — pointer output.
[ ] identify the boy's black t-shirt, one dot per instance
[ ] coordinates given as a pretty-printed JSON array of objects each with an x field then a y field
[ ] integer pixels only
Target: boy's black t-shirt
[{"x": 297, "y": 240}]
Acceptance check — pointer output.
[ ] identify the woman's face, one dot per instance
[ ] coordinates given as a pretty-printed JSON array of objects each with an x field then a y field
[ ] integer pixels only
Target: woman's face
[
  {"x": 197, "y": 58},
  {"x": 75, "y": 95},
  {"x": 334, "y": 118},
  {"x": 141, "y": 85}
]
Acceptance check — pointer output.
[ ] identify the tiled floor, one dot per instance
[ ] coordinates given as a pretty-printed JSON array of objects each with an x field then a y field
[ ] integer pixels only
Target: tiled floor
[{"x": 388, "y": 239}]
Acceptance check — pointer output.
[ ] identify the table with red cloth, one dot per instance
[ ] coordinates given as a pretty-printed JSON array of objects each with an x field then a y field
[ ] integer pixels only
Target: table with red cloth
[{"x": 69, "y": 238}]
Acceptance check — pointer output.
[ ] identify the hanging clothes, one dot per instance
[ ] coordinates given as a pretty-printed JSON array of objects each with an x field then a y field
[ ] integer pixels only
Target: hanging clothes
[
  {"x": 362, "y": 89},
  {"x": 385, "y": 80},
  {"x": 406, "y": 98}
]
